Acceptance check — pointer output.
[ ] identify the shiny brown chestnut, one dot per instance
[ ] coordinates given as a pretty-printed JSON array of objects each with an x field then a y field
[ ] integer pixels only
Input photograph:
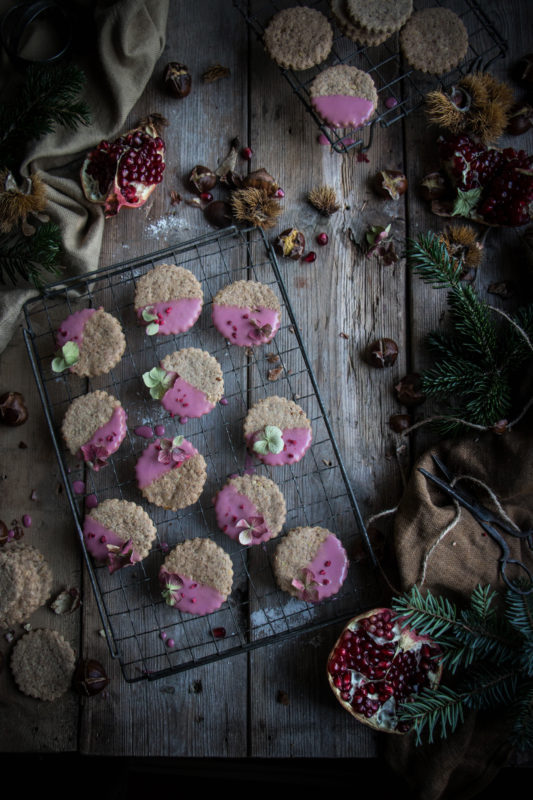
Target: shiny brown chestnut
[
  {"x": 13, "y": 409},
  {"x": 433, "y": 186},
  {"x": 390, "y": 183},
  {"x": 177, "y": 80},
  {"x": 290, "y": 244},
  {"x": 400, "y": 422},
  {"x": 218, "y": 213},
  {"x": 261, "y": 179},
  {"x": 202, "y": 179},
  {"x": 89, "y": 677},
  {"x": 409, "y": 390},
  {"x": 381, "y": 353}
]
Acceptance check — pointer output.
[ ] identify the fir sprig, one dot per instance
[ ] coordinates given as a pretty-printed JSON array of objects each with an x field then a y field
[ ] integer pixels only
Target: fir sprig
[{"x": 28, "y": 257}]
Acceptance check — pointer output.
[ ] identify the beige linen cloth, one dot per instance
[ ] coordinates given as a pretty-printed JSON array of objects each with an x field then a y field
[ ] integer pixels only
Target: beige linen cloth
[{"x": 128, "y": 36}]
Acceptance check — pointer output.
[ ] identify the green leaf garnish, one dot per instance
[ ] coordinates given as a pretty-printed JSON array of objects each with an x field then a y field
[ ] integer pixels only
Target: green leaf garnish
[
  {"x": 271, "y": 441},
  {"x": 466, "y": 202},
  {"x": 70, "y": 354},
  {"x": 152, "y": 328},
  {"x": 177, "y": 441},
  {"x": 158, "y": 381},
  {"x": 148, "y": 315}
]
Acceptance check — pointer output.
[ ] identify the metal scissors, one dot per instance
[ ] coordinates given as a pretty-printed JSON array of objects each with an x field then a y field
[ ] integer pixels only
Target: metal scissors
[{"x": 488, "y": 520}]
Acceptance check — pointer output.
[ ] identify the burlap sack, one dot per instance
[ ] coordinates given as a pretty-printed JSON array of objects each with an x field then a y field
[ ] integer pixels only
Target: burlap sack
[
  {"x": 468, "y": 760},
  {"x": 122, "y": 40}
]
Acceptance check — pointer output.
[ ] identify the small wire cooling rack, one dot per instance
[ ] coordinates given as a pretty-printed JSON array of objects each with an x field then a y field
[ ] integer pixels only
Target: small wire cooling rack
[
  {"x": 138, "y": 624},
  {"x": 401, "y": 90}
]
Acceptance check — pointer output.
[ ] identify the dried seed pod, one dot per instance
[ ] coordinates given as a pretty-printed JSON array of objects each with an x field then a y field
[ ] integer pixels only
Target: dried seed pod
[
  {"x": 177, "y": 80},
  {"x": 89, "y": 677},
  {"x": 382, "y": 353},
  {"x": 13, "y": 410}
]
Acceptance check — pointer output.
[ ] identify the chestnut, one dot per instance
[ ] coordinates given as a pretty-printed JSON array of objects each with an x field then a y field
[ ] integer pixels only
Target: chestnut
[
  {"x": 261, "y": 179},
  {"x": 382, "y": 353},
  {"x": 400, "y": 422},
  {"x": 218, "y": 213},
  {"x": 520, "y": 119},
  {"x": 390, "y": 183},
  {"x": 177, "y": 80},
  {"x": 409, "y": 390},
  {"x": 89, "y": 677},
  {"x": 13, "y": 410},
  {"x": 433, "y": 186},
  {"x": 202, "y": 179},
  {"x": 290, "y": 244}
]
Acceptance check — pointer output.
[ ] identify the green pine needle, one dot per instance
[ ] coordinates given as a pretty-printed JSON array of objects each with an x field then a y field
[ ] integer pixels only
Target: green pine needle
[
  {"x": 28, "y": 257},
  {"x": 442, "y": 707}
]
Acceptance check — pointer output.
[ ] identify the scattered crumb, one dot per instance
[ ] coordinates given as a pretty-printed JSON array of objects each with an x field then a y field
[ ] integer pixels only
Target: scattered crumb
[
  {"x": 275, "y": 373},
  {"x": 272, "y": 358},
  {"x": 344, "y": 335}
]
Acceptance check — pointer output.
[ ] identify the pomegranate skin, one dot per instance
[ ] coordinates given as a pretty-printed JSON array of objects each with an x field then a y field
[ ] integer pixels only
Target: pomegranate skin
[{"x": 375, "y": 664}]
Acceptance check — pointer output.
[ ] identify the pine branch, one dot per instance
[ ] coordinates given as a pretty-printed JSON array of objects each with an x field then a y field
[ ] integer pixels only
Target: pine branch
[
  {"x": 519, "y": 612},
  {"x": 522, "y": 733},
  {"x": 452, "y": 376},
  {"x": 28, "y": 257},
  {"x": 441, "y": 707},
  {"x": 429, "y": 615},
  {"x": 431, "y": 261},
  {"x": 487, "y": 687}
]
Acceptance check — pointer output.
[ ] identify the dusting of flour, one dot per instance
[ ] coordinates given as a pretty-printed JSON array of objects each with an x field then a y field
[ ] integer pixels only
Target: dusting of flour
[{"x": 167, "y": 226}]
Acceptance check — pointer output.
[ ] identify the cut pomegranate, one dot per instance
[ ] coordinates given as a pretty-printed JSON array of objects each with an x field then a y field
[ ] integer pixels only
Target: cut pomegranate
[
  {"x": 376, "y": 664},
  {"x": 495, "y": 185},
  {"x": 124, "y": 172}
]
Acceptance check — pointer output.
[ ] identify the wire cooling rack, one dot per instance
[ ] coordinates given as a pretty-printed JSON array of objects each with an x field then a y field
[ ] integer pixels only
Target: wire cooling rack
[
  {"x": 316, "y": 489},
  {"x": 396, "y": 82}
]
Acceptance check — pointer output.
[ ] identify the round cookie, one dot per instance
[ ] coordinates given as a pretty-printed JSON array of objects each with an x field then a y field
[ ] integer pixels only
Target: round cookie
[
  {"x": 310, "y": 563},
  {"x": 434, "y": 40},
  {"x": 277, "y": 431},
  {"x": 90, "y": 342},
  {"x": 25, "y": 583},
  {"x": 250, "y": 509},
  {"x": 196, "y": 577},
  {"x": 246, "y": 313},
  {"x": 118, "y": 533},
  {"x": 188, "y": 382},
  {"x": 355, "y": 32},
  {"x": 344, "y": 96},
  {"x": 171, "y": 473},
  {"x": 94, "y": 427},
  {"x": 43, "y": 664},
  {"x": 298, "y": 38},
  {"x": 168, "y": 299},
  {"x": 379, "y": 16}
]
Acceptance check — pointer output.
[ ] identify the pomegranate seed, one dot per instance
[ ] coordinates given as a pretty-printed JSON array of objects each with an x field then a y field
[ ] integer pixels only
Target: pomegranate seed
[
  {"x": 207, "y": 196},
  {"x": 280, "y": 193},
  {"x": 219, "y": 633},
  {"x": 322, "y": 239},
  {"x": 310, "y": 257},
  {"x": 247, "y": 153}
]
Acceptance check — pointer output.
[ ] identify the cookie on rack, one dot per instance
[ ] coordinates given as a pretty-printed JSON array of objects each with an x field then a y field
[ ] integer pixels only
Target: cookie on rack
[
  {"x": 344, "y": 96},
  {"x": 352, "y": 31},
  {"x": 94, "y": 427},
  {"x": 168, "y": 299},
  {"x": 277, "y": 431},
  {"x": 43, "y": 664},
  {"x": 90, "y": 342},
  {"x": 250, "y": 509},
  {"x": 196, "y": 577},
  {"x": 25, "y": 583},
  {"x": 118, "y": 533},
  {"x": 379, "y": 16},
  {"x": 298, "y": 38},
  {"x": 247, "y": 313},
  {"x": 434, "y": 40},
  {"x": 188, "y": 382},
  {"x": 310, "y": 563},
  {"x": 171, "y": 473}
]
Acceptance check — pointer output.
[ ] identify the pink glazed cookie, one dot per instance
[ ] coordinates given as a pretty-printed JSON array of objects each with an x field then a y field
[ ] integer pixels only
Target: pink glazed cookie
[
  {"x": 171, "y": 473},
  {"x": 196, "y": 577},
  {"x": 250, "y": 509},
  {"x": 94, "y": 427},
  {"x": 310, "y": 563},
  {"x": 344, "y": 96},
  {"x": 246, "y": 313},
  {"x": 118, "y": 533},
  {"x": 277, "y": 431},
  {"x": 168, "y": 300},
  {"x": 90, "y": 342}
]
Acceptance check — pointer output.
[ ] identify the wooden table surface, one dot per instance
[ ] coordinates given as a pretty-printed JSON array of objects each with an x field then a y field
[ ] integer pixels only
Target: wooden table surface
[{"x": 231, "y": 708}]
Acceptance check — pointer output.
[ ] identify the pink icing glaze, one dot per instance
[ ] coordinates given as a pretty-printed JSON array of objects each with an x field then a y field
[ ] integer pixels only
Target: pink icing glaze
[
  {"x": 78, "y": 486},
  {"x": 296, "y": 443},
  {"x": 183, "y": 399},
  {"x": 148, "y": 469},
  {"x": 326, "y": 572},
  {"x": 343, "y": 110},
  {"x": 107, "y": 439},
  {"x": 174, "y": 316},
  {"x": 236, "y": 324},
  {"x": 145, "y": 431},
  {"x": 97, "y": 537},
  {"x": 71, "y": 329},
  {"x": 230, "y": 507},
  {"x": 192, "y": 597}
]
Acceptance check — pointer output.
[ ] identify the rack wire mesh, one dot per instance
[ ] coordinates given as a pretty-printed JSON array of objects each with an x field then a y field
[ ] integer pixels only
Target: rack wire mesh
[
  {"x": 316, "y": 489},
  {"x": 397, "y": 84}
]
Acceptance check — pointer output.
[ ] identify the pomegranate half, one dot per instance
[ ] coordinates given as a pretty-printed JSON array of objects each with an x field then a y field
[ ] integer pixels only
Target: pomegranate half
[
  {"x": 126, "y": 171},
  {"x": 375, "y": 665}
]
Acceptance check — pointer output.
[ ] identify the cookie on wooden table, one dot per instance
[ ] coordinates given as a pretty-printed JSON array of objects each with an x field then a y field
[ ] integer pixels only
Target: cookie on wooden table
[
  {"x": 310, "y": 563},
  {"x": 188, "y": 382},
  {"x": 298, "y": 38},
  {"x": 118, "y": 533},
  {"x": 25, "y": 583},
  {"x": 90, "y": 342},
  {"x": 94, "y": 427},
  {"x": 379, "y": 16},
  {"x": 168, "y": 299},
  {"x": 196, "y": 577},
  {"x": 277, "y": 431},
  {"x": 250, "y": 509},
  {"x": 434, "y": 40},
  {"x": 246, "y": 313},
  {"x": 43, "y": 664},
  {"x": 171, "y": 473},
  {"x": 355, "y": 32},
  {"x": 344, "y": 96}
]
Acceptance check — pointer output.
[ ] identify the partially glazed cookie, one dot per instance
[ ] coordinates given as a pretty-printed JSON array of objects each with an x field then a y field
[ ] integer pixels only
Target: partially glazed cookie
[
  {"x": 344, "y": 96},
  {"x": 298, "y": 38},
  {"x": 118, "y": 533},
  {"x": 171, "y": 473},
  {"x": 188, "y": 382},
  {"x": 310, "y": 563},
  {"x": 43, "y": 664},
  {"x": 277, "y": 431},
  {"x": 250, "y": 509},
  {"x": 196, "y": 577},
  {"x": 94, "y": 427},
  {"x": 90, "y": 342},
  {"x": 168, "y": 300},
  {"x": 25, "y": 583},
  {"x": 247, "y": 313}
]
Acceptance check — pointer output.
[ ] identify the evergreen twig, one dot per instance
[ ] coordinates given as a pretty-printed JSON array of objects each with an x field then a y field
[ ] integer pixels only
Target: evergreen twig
[{"x": 28, "y": 257}]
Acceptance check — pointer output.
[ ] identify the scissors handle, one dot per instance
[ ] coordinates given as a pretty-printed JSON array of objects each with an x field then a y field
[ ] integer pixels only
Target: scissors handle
[{"x": 512, "y": 584}]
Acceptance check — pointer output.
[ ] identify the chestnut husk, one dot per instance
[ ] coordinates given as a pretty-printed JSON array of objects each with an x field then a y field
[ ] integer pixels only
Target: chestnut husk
[
  {"x": 202, "y": 179},
  {"x": 13, "y": 411},
  {"x": 409, "y": 390},
  {"x": 90, "y": 677},
  {"x": 382, "y": 353}
]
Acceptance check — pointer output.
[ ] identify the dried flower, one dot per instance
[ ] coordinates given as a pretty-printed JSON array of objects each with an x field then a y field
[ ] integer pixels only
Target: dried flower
[
  {"x": 255, "y": 207},
  {"x": 307, "y": 586},
  {"x": 171, "y": 451},
  {"x": 158, "y": 381},
  {"x": 269, "y": 441},
  {"x": 324, "y": 199},
  {"x": 95, "y": 455},
  {"x": 215, "y": 73},
  {"x": 248, "y": 528}
]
